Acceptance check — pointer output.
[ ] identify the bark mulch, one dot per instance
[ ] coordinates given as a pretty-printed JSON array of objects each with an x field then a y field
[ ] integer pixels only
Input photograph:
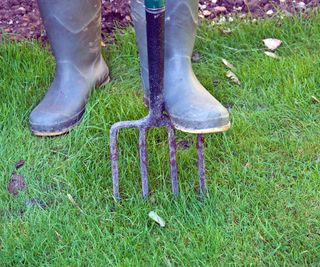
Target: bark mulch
[{"x": 21, "y": 19}]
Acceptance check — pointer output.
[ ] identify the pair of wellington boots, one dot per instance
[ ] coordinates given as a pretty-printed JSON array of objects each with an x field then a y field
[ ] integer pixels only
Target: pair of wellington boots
[{"x": 74, "y": 31}]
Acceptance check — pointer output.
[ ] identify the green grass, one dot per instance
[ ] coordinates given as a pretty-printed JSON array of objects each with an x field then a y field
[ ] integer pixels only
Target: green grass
[{"x": 263, "y": 206}]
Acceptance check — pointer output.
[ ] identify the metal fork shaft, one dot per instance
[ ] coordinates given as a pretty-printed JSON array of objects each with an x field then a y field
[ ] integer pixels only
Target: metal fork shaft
[
  {"x": 114, "y": 155},
  {"x": 143, "y": 161},
  {"x": 173, "y": 160},
  {"x": 201, "y": 165}
]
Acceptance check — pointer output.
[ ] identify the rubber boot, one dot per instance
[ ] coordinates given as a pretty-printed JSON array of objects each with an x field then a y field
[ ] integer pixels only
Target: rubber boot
[
  {"x": 74, "y": 31},
  {"x": 191, "y": 107}
]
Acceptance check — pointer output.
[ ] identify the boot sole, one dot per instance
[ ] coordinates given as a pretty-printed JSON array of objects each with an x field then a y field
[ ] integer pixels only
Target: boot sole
[
  {"x": 65, "y": 126},
  {"x": 221, "y": 129}
]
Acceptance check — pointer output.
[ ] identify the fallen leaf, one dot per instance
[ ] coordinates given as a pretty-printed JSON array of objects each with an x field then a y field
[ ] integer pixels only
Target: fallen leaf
[
  {"x": 74, "y": 203},
  {"x": 103, "y": 44},
  {"x": 16, "y": 184},
  {"x": 196, "y": 57},
  {"x": 315, "y": 99},
  {"x": 184, "y": 144},
  {"x": 227, "y": 31},
  {"x": 154, "y": 216},
  {"x": 272, "y": 44},
  {"x": 228, "y": 107},
  {"x": 58, "y": 236},
  {"x": 19, "y": 164},
  {"x": 215, "y": 83},
  {"x": 271, "y": 54},
  {"x": 228, "y": 64},
  {"x": 261, "y": 237},
  {"x": 34, "y": 202},
  {"x": 233, "y": 77}
]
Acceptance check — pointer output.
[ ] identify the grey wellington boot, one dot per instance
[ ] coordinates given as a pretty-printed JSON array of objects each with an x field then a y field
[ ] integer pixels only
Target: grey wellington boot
[
  {"x": 191, "y": 107},
  {"x": 74, "y": 31}
]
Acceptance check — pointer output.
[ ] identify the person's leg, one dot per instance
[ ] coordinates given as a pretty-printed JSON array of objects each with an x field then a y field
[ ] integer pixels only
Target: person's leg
[
  {"x": 191, "y": 107},
  {"x": 74, "y": 31}
]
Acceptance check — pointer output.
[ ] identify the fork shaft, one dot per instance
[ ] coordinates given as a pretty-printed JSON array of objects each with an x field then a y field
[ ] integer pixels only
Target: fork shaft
[
  {"x": 144, "y": 161},
  {"x": 155, "y": 18},
  {"x": 201, "y": 166},
  {"x": 173, "y": 160},
  {"x": 114, "y": 155}
]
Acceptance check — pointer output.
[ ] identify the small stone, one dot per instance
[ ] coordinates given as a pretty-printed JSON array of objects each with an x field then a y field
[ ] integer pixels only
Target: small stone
[
  {"x": 301, "y": 6},
  {"x": 219, "y": 9},
  {"x": 206, "y": 13},
  {"x": 270, "y": 12},
  {"x": 22, "y": 10}
]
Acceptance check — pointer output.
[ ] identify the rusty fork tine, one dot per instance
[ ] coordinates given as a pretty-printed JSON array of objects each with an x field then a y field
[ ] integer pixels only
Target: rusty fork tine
[
  {"x": 201, "y": 165},
  {"x": 114, "y": 156},
  {"x": 143, "y": 161},
  {"x": 173, "y": 160}
]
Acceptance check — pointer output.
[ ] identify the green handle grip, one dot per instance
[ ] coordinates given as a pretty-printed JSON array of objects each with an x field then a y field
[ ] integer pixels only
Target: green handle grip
[{"x": 154, "y": 4}]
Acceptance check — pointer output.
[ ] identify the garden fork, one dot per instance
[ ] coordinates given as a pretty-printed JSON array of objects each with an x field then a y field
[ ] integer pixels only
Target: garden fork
[{"x": 157, "y": 117}]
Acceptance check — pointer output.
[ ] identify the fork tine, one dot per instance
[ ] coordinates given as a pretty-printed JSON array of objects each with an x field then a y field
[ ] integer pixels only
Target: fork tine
[
  {"x": 201, "y": 165},
  {"x": 143, "y": 161},
  {"x": 173, "y": 160},
  {"x": 114, "y": 156}
]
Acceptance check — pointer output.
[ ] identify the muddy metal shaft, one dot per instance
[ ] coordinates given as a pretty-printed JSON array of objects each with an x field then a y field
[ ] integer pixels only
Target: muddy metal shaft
[{"x": 155, "y": 34}]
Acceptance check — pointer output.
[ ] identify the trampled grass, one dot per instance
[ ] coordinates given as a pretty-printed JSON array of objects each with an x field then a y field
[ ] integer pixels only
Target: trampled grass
[{"x": 263, "y": 206}]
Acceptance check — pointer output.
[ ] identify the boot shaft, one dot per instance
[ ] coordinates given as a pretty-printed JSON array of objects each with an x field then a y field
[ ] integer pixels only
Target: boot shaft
[
  {"x": 181, "y": 25},
  {"x": 180, "y": 33},
  {"x": 74, "y": 29}
]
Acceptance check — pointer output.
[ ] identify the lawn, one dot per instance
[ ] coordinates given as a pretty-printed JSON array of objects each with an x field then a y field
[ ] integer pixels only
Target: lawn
[{"x": 263, "y": 203}]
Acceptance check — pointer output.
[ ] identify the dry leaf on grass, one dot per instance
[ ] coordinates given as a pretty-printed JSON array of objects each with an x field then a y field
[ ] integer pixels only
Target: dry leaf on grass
[
  {"x": 196, "y": 57},
  {"x": 315, "y": 99},
  {"x": 233, "y": 77},
  {"x": 103, "y": 44},
  {"x": 154, "y": 216},
  {"x": 228, "y": 64},
  {"x": 35, "y": 202},
  {"x": 271, "y": 54},
  {"x": 17, "y": 183},
  {"x": 19, "y": 164},
  {"x": 227, "y": 31},
  {"x": 272, "y": 43},
  {"x": 74, "y": 203}
]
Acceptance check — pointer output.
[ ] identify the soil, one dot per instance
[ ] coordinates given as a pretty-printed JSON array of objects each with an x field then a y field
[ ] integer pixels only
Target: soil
[{"x": 21, "y": 19}]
